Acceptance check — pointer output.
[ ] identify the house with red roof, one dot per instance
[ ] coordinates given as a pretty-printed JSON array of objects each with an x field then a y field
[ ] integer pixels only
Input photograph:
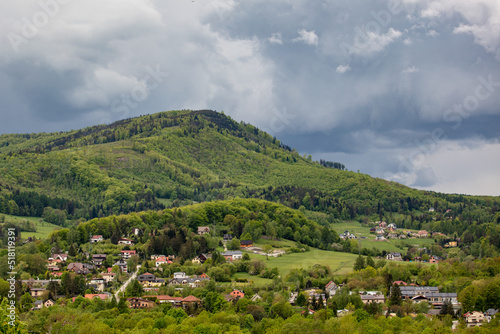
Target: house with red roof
[
  {"x": 162, "y": 260},
  {"x": 127, "y": 254},
  {"x": 125, "y": 241},
  {"x": 96, "y": 238}
]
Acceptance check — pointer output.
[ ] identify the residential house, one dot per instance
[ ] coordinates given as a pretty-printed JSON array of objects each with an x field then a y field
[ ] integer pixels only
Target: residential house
[
  {"x": 196, "y": 260},
  {"x": 61, "y": 257},
  {"x": 256, "y": 298},
  {"x": 474, "y": 319},
  {"x": 136, "y": 303},
  {"x": 49, "y": 303},
  {"x": 149, "y": 280},
  {"x": 432, "y": 209},
  {"x": 122, "y": 264},
  {"x": 194, "y": 282},
  {"x": 53, "y": 268},
  {"x": 379, "y": 231},
  {"x": 204, "y": 257},
  {"x": 108, "y": 277},
  {"x": 136, "y": 231},
  {"x": 54, "y": 262},
  {"x": 190, "y": 301},
  {"x": 237, "y": 294},
  {"x": 96, "y": 238},
  {"x": 377, "y": 299},
  {"x": 127, "y": 254},
  {"x": 37, "y": 292},
  {"x": 37, "y": 305},
  {"x": 381, "y": 224},
  {"x": 451, "y": 244},
  {"x": 203, "y": 230},
  {"x": 422, "y": 234},
  {"x": 400, "y": 283},
  {"x": 228, "y": 237},
  {"x": 373, "y": 230},
  {"x": 408, "y": 292},
  {"x": 394, "y": 256},
  {"x": 347, "y": 235},
  {"x": 174, "y": 301},
  {"x": 180, "y": 274},
  {"x": 392, "y": 236},
  {"x": 97, "y": 283},
  {"x": 291, "y": 300},
  {"x": 437, "y": 299},
  {"x": 156, "y": 257},
  {"x": 98, "y": 259},
  {"x": 103, "y": 296},
  {"x": 392, "y": 227},
  {"x": 80, "y": 268},
  {"x": 125, "y": 241},
  {"x": 490, "y": 313},
  {"x": 434, "y": 259},
  {"x": 232, "y": 255},
  {"x": 246, "y": 243},
  {"x": 331, "y": 288},
  {"x": 162, "y": 260},
  {"x": 379, "y": 237}
]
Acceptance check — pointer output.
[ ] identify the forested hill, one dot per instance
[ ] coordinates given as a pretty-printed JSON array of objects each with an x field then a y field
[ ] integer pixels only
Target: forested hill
[{"x": 180, "y": 157}]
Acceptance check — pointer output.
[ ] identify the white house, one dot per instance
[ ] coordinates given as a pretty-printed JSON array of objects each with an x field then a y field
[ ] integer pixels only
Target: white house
[
  {"x": 162, "y": 260},
  {"x": 124, "y": 241},
  {"x": 96, "y": 238},
  {"x": 394, "y": 256},
  {"x": 180, "y": 274}
]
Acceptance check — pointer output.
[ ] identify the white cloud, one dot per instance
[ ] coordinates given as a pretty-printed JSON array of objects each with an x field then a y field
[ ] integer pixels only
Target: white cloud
[
  {"x": 343, "y": 68},
  {"x": 308, "y": 37},
  {"x": 368, "y": 43},
  {"x": 482, "y": 19},
  {"x": 410, "y": 70},
  {"x": 446, "y": 169},
  {"x": 432, "y": 33},
  {"x": 276, "y": 38}
]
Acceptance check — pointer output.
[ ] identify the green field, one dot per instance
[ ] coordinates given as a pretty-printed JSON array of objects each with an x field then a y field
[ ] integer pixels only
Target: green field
[
  {"x": 340, "y": 263},
  {"x": 43, "y": 229},
  {"x": 253, "y": 280},
  {"x": 283, "y": 243}
]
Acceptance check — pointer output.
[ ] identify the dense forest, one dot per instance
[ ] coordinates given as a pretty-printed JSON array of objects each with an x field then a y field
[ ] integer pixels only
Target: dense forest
[{"x": 172, "y": 159}]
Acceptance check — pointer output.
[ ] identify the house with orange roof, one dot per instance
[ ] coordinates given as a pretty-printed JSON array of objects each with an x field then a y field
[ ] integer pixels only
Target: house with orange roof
[
  {"x": 190, "y": 301},
  {"x": 162, "y": 260},
  {"x": 237, "y": 294}
]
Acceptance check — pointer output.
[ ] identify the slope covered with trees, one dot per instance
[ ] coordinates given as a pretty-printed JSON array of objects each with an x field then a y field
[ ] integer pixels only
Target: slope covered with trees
[{"x": 180, "y": 157}]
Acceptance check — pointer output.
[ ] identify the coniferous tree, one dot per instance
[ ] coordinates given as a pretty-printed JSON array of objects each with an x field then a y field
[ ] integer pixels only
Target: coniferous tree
[
  {"x": 395, "y": 297},
  {"x": 301, "y": 299},
  {"x": 370, "y": 262}
]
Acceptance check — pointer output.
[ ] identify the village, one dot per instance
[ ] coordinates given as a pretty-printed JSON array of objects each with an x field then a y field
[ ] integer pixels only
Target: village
[{"x": 99, "y": 274}]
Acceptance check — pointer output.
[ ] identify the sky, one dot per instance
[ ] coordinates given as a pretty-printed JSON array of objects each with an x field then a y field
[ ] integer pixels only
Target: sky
[{"x": 405, "y": 90}]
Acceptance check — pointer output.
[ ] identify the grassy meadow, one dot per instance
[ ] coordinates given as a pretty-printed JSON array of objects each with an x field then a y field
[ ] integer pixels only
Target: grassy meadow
[
  {"x": 43, "y": 229},
  {"x": 340, "y": 263}
]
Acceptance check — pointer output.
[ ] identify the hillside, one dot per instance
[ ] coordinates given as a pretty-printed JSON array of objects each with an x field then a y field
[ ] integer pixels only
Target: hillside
[{"x": 180, "y": 157}]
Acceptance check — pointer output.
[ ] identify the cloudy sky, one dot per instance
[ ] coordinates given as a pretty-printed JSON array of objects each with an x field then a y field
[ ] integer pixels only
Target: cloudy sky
[{"x": 406, "y": 90}]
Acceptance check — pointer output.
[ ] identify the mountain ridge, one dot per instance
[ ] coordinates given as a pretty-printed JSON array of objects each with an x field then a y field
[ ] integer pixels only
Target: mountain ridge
[{"x": 179, "y": 157}]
